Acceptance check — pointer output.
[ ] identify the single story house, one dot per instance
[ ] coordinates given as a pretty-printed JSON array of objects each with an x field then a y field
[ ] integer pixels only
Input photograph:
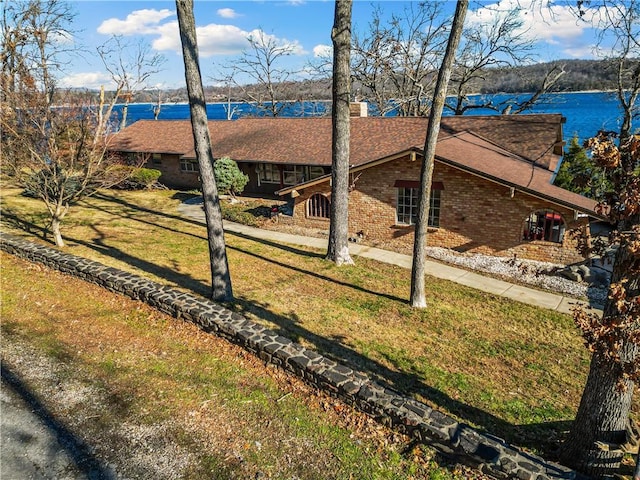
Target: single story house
[{"x": 492, "y": 186}]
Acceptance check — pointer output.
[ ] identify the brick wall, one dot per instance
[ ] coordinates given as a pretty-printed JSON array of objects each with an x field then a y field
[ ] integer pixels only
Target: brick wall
[
  {"x": 476, "y": 215},
  {"x": 172, "y": 176}
]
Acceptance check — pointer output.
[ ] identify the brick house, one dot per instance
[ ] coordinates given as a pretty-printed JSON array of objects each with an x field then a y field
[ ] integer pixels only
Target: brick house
[{"x": 491, "y": 193}]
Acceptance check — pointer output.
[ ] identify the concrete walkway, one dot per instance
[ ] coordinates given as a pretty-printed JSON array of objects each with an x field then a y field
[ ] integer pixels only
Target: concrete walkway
[{"x": 519, "y": 293}]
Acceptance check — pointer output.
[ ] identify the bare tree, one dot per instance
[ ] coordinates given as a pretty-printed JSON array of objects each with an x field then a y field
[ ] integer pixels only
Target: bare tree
[
  {"x": 417, "y": 298},
  {"x": 220, "y": 277},
  {"x": 595, "y": 444},
  {"x": 57, "y": 154},
  {"x": 271, "y": 89},
  {"x": 499, "y": 43},
  {"x": 338, "y": 249},
  {"x": 130, "y": 66},
  {"x": 158, "y": 106},
  {"x": 395, "y": 63},
  {"x": 230, "y": 110},
  {"x": 550, "y": 79}
]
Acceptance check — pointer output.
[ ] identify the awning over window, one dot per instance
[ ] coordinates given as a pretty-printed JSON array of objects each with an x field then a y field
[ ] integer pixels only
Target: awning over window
[{"x": 416, "y": 184}]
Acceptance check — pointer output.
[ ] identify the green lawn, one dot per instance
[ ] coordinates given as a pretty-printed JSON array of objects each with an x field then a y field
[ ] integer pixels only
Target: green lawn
[
  {"x": 512, "y": 369},
  {"x": 219, "y": 412}
]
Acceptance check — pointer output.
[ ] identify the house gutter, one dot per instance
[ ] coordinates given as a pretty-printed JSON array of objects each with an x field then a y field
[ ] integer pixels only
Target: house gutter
[{"x": 519, "y": 188}]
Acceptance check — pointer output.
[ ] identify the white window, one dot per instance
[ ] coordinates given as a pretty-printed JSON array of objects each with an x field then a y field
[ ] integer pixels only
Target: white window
[
  {"x": 407, "y": 207},
  {"x": 315, "y": 172},
  {"x": 293, "y": 174}
]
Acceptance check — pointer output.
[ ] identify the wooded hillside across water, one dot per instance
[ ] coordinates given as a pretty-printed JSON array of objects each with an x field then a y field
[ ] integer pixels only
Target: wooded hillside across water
[{"x": 580, "y": 75}]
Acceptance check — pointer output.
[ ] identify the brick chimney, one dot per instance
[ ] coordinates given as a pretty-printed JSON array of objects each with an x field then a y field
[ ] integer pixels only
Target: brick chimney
[{"x": 358, "y": 109}]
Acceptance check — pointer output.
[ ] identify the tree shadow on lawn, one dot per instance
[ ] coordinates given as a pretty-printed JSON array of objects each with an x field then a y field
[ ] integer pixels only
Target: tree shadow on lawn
[
  {"x": 545, "y": 437},
  {"x": 29, "y": 223},
  {"x": 133, "y": 206},
  {"x": 287, "y": 248},
  {"x": 541, "y": 436}
]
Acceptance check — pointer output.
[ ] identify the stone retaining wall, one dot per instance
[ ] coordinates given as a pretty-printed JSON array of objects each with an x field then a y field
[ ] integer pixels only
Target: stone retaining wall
[{"x": 404, "y": 414}]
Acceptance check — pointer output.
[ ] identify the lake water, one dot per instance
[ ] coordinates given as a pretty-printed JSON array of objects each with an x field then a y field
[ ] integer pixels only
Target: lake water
[{"x": 586, "y": 112}]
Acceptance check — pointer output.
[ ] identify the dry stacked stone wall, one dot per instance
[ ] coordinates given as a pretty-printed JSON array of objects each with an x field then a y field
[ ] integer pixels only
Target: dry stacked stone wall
[{"x": 404, "y": 414}]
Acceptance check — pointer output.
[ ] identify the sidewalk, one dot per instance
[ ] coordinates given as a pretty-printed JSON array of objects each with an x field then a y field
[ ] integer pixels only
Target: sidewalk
[{"x": 531, "y": 296}]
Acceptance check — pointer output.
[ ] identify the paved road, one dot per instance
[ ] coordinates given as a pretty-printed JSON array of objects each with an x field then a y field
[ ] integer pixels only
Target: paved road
[{"x": 34, "y": 444}]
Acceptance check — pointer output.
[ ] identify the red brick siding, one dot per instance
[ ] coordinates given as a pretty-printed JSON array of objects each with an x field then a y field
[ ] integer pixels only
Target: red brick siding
[
  {"x": 475, "y": 215},
  {"x": 172, "y": 176}
]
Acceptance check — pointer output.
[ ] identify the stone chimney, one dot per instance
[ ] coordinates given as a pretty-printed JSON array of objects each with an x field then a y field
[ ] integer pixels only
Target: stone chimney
[{"x": 358, "y": 109}]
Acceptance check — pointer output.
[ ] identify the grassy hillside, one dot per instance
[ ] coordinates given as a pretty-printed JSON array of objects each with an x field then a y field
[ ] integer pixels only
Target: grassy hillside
[{"x": 512, "y": 369}]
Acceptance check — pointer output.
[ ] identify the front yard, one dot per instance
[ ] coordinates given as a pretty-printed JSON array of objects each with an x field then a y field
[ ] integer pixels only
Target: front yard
[{"x": 516, "y": 371}]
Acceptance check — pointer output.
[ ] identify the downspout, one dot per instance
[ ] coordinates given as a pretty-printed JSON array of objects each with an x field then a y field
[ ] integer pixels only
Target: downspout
[{"x": 556, "y": 170}]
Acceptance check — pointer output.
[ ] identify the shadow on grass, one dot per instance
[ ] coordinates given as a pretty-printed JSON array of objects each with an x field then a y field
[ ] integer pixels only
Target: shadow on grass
[
  {"x": 31, "y": 223},
  {"x": 79, "y": 452},
  {"x": 541, "y": 436},
  {"x": 302, "y": 270}
]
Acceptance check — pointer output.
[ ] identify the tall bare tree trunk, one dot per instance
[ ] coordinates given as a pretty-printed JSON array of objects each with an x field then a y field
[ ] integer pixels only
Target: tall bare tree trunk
[
  {"x": 220, "y": 278},
  {"x": 338, "y": 249},
  {"x": 418, "y": 299}
]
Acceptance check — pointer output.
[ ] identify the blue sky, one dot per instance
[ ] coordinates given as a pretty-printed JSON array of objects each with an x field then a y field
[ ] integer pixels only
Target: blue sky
[{"x": 305, "y": 25}]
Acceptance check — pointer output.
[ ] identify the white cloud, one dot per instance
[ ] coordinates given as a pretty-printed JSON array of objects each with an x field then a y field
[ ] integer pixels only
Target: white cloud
[
  {"x": 554, "y": 24},
  {"x": 212, "y": 39},
  {"x": 221, "y": 40},
  {"x": 322, "y": 51},
  {"x": 227, "y": 13},
  {"x": 138, "y": 22},
  {"x": 61, "y": 37},
  {"x": 264, "y": 39},
  {"x": 89, "y": 80},
  {"x": 581, "y": 51}
]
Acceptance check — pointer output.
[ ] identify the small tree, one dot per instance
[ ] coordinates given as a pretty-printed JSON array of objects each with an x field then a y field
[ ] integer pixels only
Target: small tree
[
  {"x": 130, "y": 66},
  {"x": 394, "y": 61},
  {"x": 580, "y": 174},
  {"x": 500, "y": 42},
  {"x": 271, "y": 88},
  {"x": 57, "y": 154},
  {"x": 229, "y": 178}
]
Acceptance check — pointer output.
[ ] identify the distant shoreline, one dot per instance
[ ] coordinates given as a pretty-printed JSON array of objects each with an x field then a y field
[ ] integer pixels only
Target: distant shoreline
[
  {"x": 239, "y": 102},
  {"x": 586, "y": 112}
]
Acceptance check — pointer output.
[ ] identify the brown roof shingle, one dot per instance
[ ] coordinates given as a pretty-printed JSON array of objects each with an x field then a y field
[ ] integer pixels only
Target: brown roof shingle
[
  {"x": 307, "y": 141},
  {"x": 475, "y": 154},
  {"x": 516, "y": 150}
]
